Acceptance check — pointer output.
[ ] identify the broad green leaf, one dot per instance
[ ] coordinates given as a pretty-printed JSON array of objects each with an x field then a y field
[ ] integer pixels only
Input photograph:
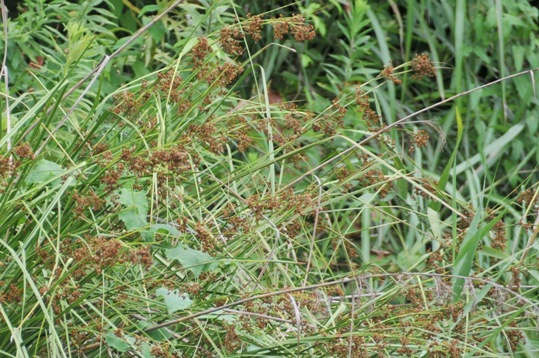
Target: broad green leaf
[
  {"x": 120, "y": 344},
  {"x": 43, "y": 171},
  {"x": 132, "y": 219},
  {"x": 130, "y": 198},
  {"x": 157, "y": 31},
  {"x": 174, "y": 300},
  {"x": 136, "y": 208},
  {"x": 193, "y": 260},
  {"x": 146, "y": 350},
  {"x": 160, "y": 334},
  {"x": 161, "y": 229}
]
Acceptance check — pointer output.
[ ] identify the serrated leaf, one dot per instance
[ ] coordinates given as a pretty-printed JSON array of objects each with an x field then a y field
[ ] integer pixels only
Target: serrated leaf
[
  {"x": 173, "y": 300},
  {"x": 193, "y": 260},
  {"x": 133, "y": 198},
  {"x": 43, "y": 171}
]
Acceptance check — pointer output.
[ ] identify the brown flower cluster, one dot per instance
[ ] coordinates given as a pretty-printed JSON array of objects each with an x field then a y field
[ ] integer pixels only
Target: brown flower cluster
[
  {"x": 430, "y": 186},
  {"x": 286, "y": 201},
  {"x": 207, "y": 134},
  {"x": 229, "y": 39},
  {"x": 419, "y": 140},
  {"x": 11, "y": 295},
  {"x": 527, "y": 197},
  {"x": 329, "y": 123},
  {"x": 232, "y": 340},
  {"x": 8, "y": 165},
  {"x": 205, "y": 237},
  {"x": 169, "y": 85},
  {"x": 201, "y": 51},
  {"x": 295, "y": 25},
  {"x": 388, "y": 74},
  {"x": 240, "y": 132},
  {"x": 291, "y": 127},
  {"x": 422, "y": 67},
  {"x": 236, "y": 223},
  {"x": 87, "y": 201},
  {"x": 371, "y": 118},
  {"x": 5, "y": 166},
  {"x": 165, "y": 162},
  {"x": 24, "y": 151},
  {"x": 373, "y": 177},
  {"x": 222, "y": 75},
  {"x": 95, "y": 254},
  {"x": 342, "y": 173},
  {"x": 254, "y": 27},
  {"x": 499, "y": 240},
  {"x": 212, "y": 73}
]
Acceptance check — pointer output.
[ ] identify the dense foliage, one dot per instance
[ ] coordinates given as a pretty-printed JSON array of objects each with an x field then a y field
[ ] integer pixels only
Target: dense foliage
[{"x": 248, "y": 178}]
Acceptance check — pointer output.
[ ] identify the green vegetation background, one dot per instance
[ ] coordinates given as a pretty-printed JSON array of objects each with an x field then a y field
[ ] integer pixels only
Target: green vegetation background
[{"x": 266, "y": 178}]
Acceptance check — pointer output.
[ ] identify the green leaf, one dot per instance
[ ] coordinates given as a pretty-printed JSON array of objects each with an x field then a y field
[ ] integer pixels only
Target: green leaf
[
  {"x": 161, "y": 229},
  {"x": 148, "y": 8},
  {"x": 157, "y": 31},
  {"x": 192, "y": 260},
  {"x": 466, "y": 255},
  {"x": 492, "y": 150},
  {"x": 436, "y": 205},
  {"x": 121, "y": 345},
  {"x": 160, "y": 334},
  {"x": 489, "y": 251},
  {"x": 173, "y": 300},
  {"x": 136, "y": 208},
  {"x": 306, "y": 60},
  {"x": 465, "y": 258},
  {"x": 44, "y": 171},
  {"x": 146, "y": 350}
]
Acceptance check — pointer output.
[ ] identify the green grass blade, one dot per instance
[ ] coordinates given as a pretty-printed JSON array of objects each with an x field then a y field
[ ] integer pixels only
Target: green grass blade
[{"x": 444, "y": 178}]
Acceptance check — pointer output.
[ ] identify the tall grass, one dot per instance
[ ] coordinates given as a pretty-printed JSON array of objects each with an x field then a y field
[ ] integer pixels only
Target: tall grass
[{"x": 175, "y": 215}]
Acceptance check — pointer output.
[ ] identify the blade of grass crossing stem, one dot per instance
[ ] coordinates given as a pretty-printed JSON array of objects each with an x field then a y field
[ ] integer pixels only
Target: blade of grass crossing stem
[
  {"x": 366, "y": 234},
  {"x": 32, "y": 113},
  {"x": 270, "y": 133},
  {"x": 468, "y": 249},
  {"x": 501, "y": 65},
  {"x": 460, "y": 16},
  {"x": 444, "y": 178},
  {"x": 385, "y": 56},
  {"x": 15, "y": 336},
  {"x": 29, "y": 279},
  {"x": 410, "y": 20},
  {"x": 464, "y": 260},
  {"x": 433, "y": 42},
  {"x": 492, "y": 150}
]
